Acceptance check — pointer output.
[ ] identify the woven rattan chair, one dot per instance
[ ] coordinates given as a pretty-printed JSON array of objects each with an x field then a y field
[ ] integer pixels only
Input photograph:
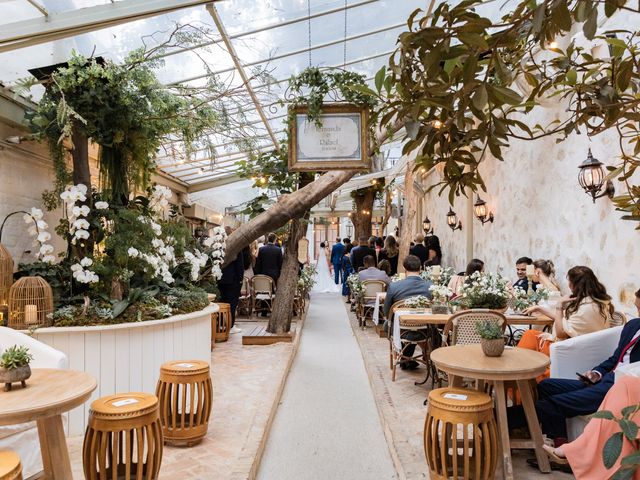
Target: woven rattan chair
[
  {"x": 617, "y": 319},
  {"x": 366, "y": 305},
  {"x": 397, "y": 356},
  {"x": 461, "y": 327},
  {"x": 245, "y": 304},
  {"x": 262, "y": 293}
]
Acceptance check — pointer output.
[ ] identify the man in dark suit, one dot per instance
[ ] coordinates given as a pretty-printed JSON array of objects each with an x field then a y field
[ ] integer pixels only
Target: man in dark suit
[
  {"x": 411, "y": 286},
  {"x": 521, "y": 271},
  {"x": 230, "y": 286},
  {"x": 358, "y": 253},
  {"x": 419, "y": 250},
  {"x": 560, "y": 398},
  {"x": 269, "y": 261},
  {"x": 337, "y": 251}
]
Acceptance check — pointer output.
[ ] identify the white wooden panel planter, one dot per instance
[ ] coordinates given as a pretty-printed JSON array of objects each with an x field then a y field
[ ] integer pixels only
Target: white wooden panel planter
[{"x": 126, "y": 357}]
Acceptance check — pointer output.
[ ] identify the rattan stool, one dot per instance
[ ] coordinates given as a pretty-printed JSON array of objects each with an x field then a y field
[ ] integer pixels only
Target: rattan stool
[
  {"x": 10, "y": 466},
  {"x": 460, "y": 437},
  {"x": 186, "y": 395},
  {"x": 124, "y": 433},
  {"x": 221, "y": 323}
]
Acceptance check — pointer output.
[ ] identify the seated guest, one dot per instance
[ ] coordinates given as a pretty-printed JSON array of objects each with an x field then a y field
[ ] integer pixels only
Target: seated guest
[
  {"x": 370, "y": 271},
  {"x": 418, "y": 249},
  {"x": 584, "y": 454},
  {"x": 390, "y": 252},
  {"x": 385, "y": 266},
  {"x": 358, "y": 253},
  {"x": 588, "y": 310},
  {"x": 521, "y": 271},
  {"x": 561, "y": 398},
  {"x": 544, "y": 273},
  {"x": 457, "y": 281},
  {"x": 434, "y": 252},
  {"x": 347, "y": 269},
  {"x": 410, "y": 286}
]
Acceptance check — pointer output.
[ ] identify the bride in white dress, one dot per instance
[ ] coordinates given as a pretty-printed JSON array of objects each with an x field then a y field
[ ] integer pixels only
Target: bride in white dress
[{"x": 324, "y": 281}]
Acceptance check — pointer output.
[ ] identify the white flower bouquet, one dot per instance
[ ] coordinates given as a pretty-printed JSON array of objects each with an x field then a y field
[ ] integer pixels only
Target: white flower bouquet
[
  {"x": 419, "y": 301},
  {"x": 485, "y": 290}
]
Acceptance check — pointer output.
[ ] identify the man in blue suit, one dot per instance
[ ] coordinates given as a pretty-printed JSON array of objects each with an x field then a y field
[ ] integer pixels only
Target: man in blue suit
[
  {"x": 560, "y": 398},
  {"x": 337, "y": 252}
]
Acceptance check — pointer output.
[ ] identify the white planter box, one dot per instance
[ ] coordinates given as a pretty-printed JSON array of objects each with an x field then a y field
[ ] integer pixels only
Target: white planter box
[{"x": 127, "y": 357}]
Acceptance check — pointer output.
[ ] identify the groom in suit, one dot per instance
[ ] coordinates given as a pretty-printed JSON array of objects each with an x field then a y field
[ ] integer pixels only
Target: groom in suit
[
  {"x": 560, "y": 398},
  {"x": 337, "y": 252}
]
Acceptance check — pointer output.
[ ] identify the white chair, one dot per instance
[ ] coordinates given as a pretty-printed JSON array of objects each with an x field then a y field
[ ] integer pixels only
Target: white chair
[
  {"x": 579, "y": 354},
  {"x": 23, "y": 437}
]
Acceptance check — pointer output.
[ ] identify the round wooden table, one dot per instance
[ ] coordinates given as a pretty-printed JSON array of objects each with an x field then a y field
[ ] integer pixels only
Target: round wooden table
[
  {"x": 515, "y": 364},
  {"x": 49, "y": 393}
]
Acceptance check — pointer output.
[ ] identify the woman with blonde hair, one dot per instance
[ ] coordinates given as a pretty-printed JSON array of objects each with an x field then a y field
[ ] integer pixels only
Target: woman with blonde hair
[
  {"x": 544, "y": 273},
  {"x": 587, "y": 310},
  {"x": 390, "y": 253}
]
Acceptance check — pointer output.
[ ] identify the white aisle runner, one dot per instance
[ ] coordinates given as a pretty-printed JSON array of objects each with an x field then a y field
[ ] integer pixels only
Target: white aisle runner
[{"x": 327, "y": 425}]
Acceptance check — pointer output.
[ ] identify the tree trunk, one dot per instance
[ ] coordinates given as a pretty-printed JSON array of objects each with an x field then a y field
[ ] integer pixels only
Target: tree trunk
[
  {"x": 364, "y": 200},
  {"x": 297, "y": 203},
  {"x": 409, "y": 214},
  {"x": 80, "y": 155},
  {"x": 388, "y": 207},
  {"x": 280, "y": 320}
]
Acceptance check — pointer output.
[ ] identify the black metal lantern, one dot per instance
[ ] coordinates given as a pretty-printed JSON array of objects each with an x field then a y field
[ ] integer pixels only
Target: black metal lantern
[
  {"x": 426, "y": 226},
  {"x": 481, "y": 211},
  {"x": 452, "y": 220},
  {"x": 592, "y": 178}
]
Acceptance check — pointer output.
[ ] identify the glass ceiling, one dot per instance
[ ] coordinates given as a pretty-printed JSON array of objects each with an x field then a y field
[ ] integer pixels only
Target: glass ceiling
[{"x": 269, "y": 36}]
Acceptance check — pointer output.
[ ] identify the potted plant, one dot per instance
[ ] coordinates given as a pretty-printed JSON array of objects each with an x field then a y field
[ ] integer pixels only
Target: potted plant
[
  {"x": 490, "y": 338},
  {"x": 14, "y": 366},
  {"x": 522, "y": 301},
  {"x": 486, "y": 290},
  {"x": 441, "y": 296}
]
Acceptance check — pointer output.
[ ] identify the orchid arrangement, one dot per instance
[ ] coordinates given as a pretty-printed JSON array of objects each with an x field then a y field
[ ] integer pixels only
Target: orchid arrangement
[
  {"x": 443, "y": 279},
  {"x": 307, "y": 278},
  {"x": 356, "y": 286}
]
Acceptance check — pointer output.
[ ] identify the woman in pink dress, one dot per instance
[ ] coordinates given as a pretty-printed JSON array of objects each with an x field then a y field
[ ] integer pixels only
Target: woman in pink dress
[{"x": 584, "y": 454}]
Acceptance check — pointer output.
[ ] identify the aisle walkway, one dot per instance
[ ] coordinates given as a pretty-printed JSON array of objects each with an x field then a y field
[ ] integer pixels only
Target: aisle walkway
[{"x": 327, "y": 425}]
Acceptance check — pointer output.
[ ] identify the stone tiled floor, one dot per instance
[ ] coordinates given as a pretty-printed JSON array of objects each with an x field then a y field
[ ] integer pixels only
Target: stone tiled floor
[
  {"x": 400, "y": 405},
  {"x": 245, "y": 383}
]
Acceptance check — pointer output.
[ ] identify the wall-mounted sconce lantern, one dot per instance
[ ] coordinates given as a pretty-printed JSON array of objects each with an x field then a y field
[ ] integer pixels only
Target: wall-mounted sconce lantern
[
  {"x": 592, "y": 178},
  {"x": 426, "y": 226},
  {"x": 452, "y": 220},
  {"x": 482, "y": 212}
]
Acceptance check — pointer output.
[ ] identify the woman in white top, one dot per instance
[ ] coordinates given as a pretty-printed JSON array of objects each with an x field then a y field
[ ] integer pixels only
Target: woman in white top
[{"x": 544, "y": 274}]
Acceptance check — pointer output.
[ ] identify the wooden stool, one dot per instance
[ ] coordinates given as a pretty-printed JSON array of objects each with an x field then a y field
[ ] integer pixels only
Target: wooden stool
[
  {"x": 460, "y": 436},
  {"x": 221, "y": 323},
  {"x": 186, "y": 396},
  {"x": 124, "y": 434},
  {"x": 10, "y": 466}
]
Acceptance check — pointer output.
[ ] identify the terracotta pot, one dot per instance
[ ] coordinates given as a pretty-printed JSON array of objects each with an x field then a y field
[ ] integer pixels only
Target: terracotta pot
[
  {"x": 14, "y": 375},
  {"x": 493, "y": 347}
]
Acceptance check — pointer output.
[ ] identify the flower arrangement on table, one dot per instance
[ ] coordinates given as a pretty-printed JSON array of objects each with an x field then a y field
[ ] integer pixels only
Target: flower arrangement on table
[
  {"x": 441, "y": 298},
  {"x": 522, "y": 301},
  {"x": 485, "y": 290},
  {"x": 124, "y": 263},
  {"x": 307, "y": 279},
  {"x": 419, "y": 301},
  {"x": 442, "y": 279},
  {"x": 356, "y": 286},
  {"x": 397, "y": 277}
]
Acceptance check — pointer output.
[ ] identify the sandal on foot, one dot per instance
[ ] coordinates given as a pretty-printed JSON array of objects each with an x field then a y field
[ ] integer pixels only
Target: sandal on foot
[{"x": 551, "y": 452}]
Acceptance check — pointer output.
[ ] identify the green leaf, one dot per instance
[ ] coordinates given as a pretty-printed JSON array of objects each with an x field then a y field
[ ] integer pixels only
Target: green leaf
[
  {"x": 362, "y": 89},
  {"x": 612, "y": 449},
  {"x": 625, "y": 72},
  {"x": 473, "y": 40},
  {"x": 538, "y": 18},
  {"x": 571, "y": 76},
  {"x": 479, "y": 99},
  {"x": 631, "y": 459},
  {"x": 629, "y": 428},
  {"x": 610, "y": 176},
  {"x": 624, "y": 474},
  {"x": 120, "y": 307},
  {"x": 631, "y": 409},
  {"x": 562, "y": 16},
  {"x": 607, "y": 415},
  {"x": 506, "y": 95},
  {"x": 379, "y": 79},
  {"x": 591, "y": 25}
]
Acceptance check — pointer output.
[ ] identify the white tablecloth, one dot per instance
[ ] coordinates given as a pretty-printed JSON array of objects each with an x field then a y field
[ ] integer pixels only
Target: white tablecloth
[
  {"x": 380, "y": 296},
  {"x": 396, "y": 328}
]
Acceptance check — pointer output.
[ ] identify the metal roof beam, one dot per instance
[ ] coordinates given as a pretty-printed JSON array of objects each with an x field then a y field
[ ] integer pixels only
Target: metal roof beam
[
  {"x": 218, "y": 182},
  {"x": 294, "y": 52},
  {"x": 67, "y": 24}
]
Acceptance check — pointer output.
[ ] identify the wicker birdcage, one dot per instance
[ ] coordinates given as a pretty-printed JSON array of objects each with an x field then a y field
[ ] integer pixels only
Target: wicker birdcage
[
  {"x": 24, "y": 295},
  {"x": 6, "y": 274}
]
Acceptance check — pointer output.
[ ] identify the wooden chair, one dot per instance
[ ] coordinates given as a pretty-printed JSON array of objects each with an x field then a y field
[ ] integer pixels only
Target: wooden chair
[
  {"x": 221, "y": 323},
  {"x": 123, "y": 438},
  {"x": 398, "y": 355},
  {"x": 617, "y": 319},
  {"x": 460, "y": 329},
  {"x": 244, "y": 303},
  {"x": 262, "y": 293},
  {"x": 460, "y": 435},
  {"x": 10, "y": 466},
  {"x": 367, "y": 303}
]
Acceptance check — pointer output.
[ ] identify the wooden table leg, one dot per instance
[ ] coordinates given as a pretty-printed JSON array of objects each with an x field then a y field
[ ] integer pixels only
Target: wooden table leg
[
  {"x": 534, "y": 426},
  {"x": 455, "y": 381},
  {"x": 53, "y": 446},
  {"x": 503, "y": 429}
]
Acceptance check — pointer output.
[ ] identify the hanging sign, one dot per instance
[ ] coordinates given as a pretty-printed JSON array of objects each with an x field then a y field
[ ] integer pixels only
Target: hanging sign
[
  {"x": 339, "y": 143},
  {"x": 303, "y": 251}
]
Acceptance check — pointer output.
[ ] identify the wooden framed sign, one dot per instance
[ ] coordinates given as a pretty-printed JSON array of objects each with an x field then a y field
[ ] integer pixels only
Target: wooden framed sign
[
  {"x": 303, "y": 251},
  {"x": 339, "y": 144}
]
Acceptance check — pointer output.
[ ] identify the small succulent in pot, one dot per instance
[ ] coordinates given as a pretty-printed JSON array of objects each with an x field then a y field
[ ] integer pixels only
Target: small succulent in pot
[
  {"x": 491, "y": 338},
  {"x": 14, "y": 366}
]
